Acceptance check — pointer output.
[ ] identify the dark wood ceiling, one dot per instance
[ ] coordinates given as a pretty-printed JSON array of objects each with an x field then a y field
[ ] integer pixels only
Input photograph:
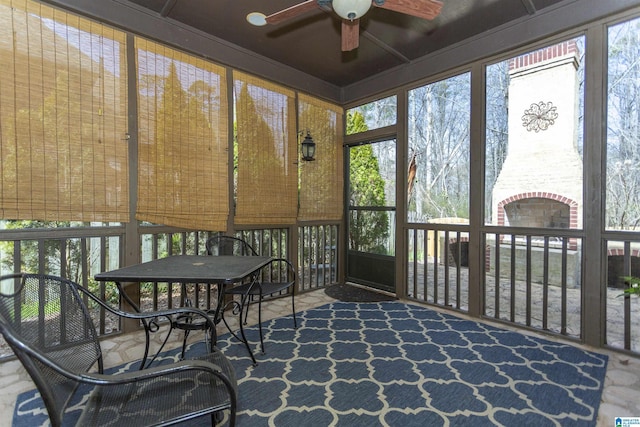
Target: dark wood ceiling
[{"x": 311, "y": 42}]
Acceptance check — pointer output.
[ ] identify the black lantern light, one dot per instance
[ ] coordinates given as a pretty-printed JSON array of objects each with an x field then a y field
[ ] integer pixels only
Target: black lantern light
[{"x": 308, "y": 148}]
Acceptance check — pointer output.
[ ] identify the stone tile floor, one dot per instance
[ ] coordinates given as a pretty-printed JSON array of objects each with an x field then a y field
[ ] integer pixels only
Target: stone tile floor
[{"x": 620, "y": 398}]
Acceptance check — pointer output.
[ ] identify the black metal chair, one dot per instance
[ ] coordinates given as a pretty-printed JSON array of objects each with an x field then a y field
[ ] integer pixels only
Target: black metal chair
[
  {"x": 276, "y": 277},
  {"x": 221, "y": 245},
  {"x": 228, "y": 245},
  {"x": 47, "y": 322}
]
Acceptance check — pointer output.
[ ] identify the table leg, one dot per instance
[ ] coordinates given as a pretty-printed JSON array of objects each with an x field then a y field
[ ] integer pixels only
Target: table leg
[
  {"x": 146, "y": 325},
  {"x": 239, "y": 306}
]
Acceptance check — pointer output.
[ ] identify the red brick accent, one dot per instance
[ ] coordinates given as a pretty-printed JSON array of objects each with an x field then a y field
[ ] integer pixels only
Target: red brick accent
[
  {"x": 620, "y": 252},
  {"x": 573, "y": 208},
  {"x": 462, "y": 239},
  {"x": 545, "y": 54}
]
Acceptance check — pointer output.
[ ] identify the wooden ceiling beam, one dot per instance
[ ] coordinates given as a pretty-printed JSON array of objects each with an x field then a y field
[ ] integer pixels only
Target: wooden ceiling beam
[
  {"x": 531, "y": 8},
  {"x": 168, "y": 6}
]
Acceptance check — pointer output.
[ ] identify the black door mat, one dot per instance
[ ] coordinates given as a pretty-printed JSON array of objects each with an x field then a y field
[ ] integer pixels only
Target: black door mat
[{"x": 356, "y": 294}]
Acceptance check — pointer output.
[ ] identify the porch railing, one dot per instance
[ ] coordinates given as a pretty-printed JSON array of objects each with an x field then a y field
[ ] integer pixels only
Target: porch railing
[
  {"x": 534, "y": 280},
  {"x": 317, "y": 256},
  {"x": 437, "y": 266},
  {"x": 80, "y": 253},
  {"x": 622, "y": 311},
  {"x": 76, "y": 253},
  {"x": 531, "y": 280}
]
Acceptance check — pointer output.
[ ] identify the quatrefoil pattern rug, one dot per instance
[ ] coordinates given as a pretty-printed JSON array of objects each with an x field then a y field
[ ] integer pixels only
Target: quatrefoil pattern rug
[{"x": 396, "y": 364}]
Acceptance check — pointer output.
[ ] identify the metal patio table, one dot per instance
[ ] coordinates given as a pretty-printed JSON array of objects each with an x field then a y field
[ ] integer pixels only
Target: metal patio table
[{"x": 222, "y": 270}]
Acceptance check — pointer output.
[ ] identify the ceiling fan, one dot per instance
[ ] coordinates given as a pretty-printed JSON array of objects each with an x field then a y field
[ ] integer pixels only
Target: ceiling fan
[{"x": 350, "y": 11}]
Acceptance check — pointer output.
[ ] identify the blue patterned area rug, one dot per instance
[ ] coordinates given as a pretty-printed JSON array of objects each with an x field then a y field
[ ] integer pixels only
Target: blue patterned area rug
[{"x": 396, "y": 364}]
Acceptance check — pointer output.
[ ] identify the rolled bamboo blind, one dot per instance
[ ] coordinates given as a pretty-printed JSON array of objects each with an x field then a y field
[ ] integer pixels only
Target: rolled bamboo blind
[
  {"x": 183, "y": 139},
  {"x": 267, "y": 169},
  {"x": 64, "y": 151},
  {"x": 63, "y": 115},
  {"x": 321, "y": 181}
]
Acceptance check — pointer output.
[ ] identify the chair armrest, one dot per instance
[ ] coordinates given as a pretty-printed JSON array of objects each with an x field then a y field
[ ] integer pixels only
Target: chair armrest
[
  {"x": 155, "y": 372},
  {"x": 181, "y": 367},
  {"x": 150, "y": 321},
  {"x": 95, "y": 378},
  {"x": 144, "y": 315}
]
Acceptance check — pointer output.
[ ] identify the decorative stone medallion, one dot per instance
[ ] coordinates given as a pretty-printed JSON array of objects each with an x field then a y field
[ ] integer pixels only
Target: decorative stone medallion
[{"x": 539, "y": 116}]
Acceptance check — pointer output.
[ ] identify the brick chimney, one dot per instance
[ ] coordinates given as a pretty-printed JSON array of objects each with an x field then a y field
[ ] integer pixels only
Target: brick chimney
[{"x": 540, "y": 184}]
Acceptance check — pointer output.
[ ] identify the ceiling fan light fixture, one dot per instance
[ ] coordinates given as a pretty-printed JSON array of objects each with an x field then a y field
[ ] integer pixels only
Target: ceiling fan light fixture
[
  {"x": 256, "y": 18},
  {"x": 351, "y": 9}
]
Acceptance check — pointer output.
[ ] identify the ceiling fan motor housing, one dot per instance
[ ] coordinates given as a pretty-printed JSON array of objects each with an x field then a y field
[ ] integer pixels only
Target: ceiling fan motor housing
[{"x": 351, "y": 9}]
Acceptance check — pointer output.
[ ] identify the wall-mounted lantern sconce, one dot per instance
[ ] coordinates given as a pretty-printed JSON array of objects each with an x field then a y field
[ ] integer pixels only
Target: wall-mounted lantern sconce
[{"x": 308, "y": 148}]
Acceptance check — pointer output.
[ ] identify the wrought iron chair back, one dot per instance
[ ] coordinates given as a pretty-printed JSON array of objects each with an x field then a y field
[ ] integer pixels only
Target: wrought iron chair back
[
  {"x": 50, "y": 331},
  {"x": 47, "y": 323},
  {"x": 229, "y": 245},
  {"x": 221, "y": 245},
  {"x": 274, "y": 279}
]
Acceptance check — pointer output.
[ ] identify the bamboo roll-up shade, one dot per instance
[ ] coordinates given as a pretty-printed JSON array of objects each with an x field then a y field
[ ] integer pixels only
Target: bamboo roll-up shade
[
  {"x": 63, "y": 115},
  {"x": 183, "y": 139},
  {"x": 267, "y": 174},
  {"x": 321, "y": 180}
]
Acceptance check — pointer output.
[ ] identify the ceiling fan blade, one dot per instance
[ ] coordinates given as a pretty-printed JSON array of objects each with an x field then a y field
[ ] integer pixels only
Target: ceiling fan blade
[
  {"x": 350, "y": 34},
  {"x": 292, "y": 12},
  {"x": 425, "y": 9}
]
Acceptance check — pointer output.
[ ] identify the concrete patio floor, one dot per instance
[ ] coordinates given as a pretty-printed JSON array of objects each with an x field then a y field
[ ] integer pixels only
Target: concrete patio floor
[{"x": 620, "y": 398}]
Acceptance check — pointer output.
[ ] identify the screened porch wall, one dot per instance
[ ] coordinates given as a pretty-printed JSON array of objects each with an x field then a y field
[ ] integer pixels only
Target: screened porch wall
[
  {"x": 158, "y": 146},
  {"x": 203, "y": 146},
  {"x": 596, "y": 242}
]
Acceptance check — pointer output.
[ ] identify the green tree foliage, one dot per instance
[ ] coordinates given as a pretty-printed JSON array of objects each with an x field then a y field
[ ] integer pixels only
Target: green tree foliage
[
  {"x": 51, "y": 250},
  {"x": 250, "y": 126},
  {"x": 368, "y": 230},
  {"x": 52, "y": 124},
  {"x": 356, "y": 123},
  {"x": 172, "y": 113}
]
